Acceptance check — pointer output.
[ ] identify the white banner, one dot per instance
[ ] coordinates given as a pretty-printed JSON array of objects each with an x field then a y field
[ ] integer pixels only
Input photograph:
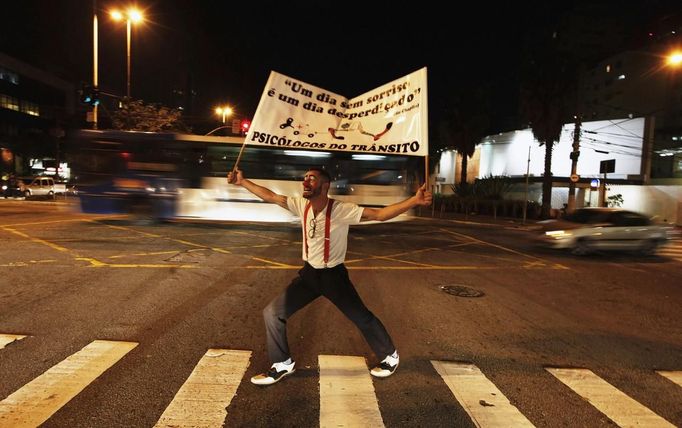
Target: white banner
[{"x": 391, "y": 119}]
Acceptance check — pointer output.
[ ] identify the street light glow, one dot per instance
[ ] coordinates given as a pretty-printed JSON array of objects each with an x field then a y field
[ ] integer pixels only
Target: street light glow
[
  {"x": 675, "y": 58},
  {"x": 132, "y": 16},
  {"x": 223, "y": 111},
  {"x": 135, "y": 15}
]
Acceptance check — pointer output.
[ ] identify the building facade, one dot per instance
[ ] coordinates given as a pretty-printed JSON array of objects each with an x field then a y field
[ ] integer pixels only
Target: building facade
[{"x": 35, "y": 109}]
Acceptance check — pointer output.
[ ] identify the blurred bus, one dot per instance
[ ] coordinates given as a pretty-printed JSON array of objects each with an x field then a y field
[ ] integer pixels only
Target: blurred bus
[{"x": 171, "y": 176}]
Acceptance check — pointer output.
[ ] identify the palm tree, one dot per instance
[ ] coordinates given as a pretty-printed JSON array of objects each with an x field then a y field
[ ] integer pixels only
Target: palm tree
[
  {"x": 547, "y": 100},
  {"x": 466, "y": 124}
]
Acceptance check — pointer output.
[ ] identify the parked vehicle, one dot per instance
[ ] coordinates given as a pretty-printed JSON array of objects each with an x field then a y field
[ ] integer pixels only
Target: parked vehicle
[
  {"x": 12, "y": 188},
  {"x": 591, "y": 229},
  {"x": 44, "y": 186}
]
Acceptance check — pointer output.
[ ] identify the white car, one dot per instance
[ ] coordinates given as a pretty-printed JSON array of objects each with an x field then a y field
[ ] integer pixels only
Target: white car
[
  {"x": 44, "y": 186},
  {"x": 591, "y": 229}
]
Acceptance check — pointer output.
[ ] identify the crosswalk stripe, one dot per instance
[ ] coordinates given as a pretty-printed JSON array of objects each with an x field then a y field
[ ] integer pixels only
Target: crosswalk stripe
[
  {"x": 673, "y": 250},
  {"x": 673, "y": 376},
  {"x": 616, "y": 405},
  {"x": 203, "y": 398},
  {"x": 36, "y": 401},
  {"x": 347, "y": 397},
  {"x": 6, "y": 339},
  {"x": 485, "y": 404}
]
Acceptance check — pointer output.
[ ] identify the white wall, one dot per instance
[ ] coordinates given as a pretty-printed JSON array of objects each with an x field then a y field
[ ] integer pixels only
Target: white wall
[
  {"x": 659, "y": 201},
  {"x": 507, "y": 153}
]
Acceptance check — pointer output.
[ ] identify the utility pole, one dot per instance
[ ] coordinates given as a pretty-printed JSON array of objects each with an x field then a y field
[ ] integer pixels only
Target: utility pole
[
  {"x": 95, "y": 60},
  {"x": 574, "y": 166},
  {"x": 525, "y": 197}
]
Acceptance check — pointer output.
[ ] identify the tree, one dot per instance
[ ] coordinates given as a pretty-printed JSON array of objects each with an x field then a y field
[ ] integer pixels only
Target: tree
[
  {"x": 466, "y": 124},
  {"x": 547, "y": 101},
  {"x": 135, "y": 115}
]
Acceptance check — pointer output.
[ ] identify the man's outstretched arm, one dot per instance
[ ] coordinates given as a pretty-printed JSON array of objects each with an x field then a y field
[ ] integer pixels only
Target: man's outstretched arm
[
  {"x": 422, "y": 197},
  {"x": 236, "y": 177}
]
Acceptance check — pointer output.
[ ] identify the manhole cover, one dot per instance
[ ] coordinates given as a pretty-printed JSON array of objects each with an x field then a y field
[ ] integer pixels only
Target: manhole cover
[{"x": 461, "y": 291}]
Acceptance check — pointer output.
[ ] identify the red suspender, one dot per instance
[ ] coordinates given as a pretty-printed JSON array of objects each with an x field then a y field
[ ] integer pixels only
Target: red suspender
[
  {"x": 305, "y": 224},
  {"x": 327, "y": 229}
]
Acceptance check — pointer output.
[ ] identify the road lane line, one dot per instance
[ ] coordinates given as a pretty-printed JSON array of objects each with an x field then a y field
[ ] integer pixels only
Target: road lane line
[
  {"x": 181, "y": 241},
  {"x": 71, "y": 220},
  {"x": 391, "y": 259},
  {"x": 673, "y": 376},
  {"x": 203, "y": 399},
  {"x": 35, "y": 402},
  {"x": 127, "y": 229},
  {"x": 6, "y": 339},
  {"x": 503, "y": 248},
  {"x": 482, "y": 400},
  {"x": 347, "y": 395},
  {"x": 38, "y": 240},
  {"x": 276, "y": 264},
  {"x": 154, "y": 253},
  {"x": 615, "y": 404}
]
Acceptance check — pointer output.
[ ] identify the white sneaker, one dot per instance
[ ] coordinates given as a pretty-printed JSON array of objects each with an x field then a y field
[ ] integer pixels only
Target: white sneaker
[
  {"x": 387, "y": 366},
  {"x": 277, "y": 372}
]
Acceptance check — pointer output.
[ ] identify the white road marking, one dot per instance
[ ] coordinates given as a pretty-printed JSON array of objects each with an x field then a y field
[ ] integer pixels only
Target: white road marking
[
  {"x": 347, "y": 397},
  {"x": 36, "y": 401},
  {"x": 673, "y": 376},
  {"x": 203, "y": 398},
  {"x": 616, "y": 405},
  {"x": 485, "y": 404},
  {"x": 6, "y": 339},
  {"x": 673, "y": 250}
]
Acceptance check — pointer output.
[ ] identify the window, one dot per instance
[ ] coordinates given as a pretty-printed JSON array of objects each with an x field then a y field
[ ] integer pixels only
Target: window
[
  {"x": 8, "y": 102},
  {"x": 9, "y": 76},
  {"x": 30, "y": 108},
  {"x": 624, "y": 219}
]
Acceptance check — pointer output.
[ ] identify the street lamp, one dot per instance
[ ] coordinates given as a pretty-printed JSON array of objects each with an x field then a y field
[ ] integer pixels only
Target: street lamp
[
  {"x": 223, "y": 111},
  {"x": 674, "y": 59},
  {"x": 131, "y": 15},
  {"x": 95, "y": 60}
]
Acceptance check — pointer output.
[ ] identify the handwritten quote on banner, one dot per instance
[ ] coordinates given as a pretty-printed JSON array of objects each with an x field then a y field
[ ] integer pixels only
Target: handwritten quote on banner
[{"x": 391, "y": 119}]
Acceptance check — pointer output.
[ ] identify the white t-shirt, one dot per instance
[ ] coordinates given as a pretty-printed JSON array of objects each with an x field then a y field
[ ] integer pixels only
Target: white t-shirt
[{"x": 343, "y": 215}]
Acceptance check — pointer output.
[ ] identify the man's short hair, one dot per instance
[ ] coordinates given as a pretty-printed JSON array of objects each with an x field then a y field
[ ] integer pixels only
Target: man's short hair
[{"x": 323, "y": 173}]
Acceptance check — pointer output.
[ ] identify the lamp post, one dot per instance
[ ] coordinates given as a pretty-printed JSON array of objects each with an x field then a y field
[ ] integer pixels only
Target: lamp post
[
  {"x": 674, "y": 59},
  {"x": 131, "y": 16},
  {"x": 95, "y": 59},
  {"x": 223, "y": 111}
]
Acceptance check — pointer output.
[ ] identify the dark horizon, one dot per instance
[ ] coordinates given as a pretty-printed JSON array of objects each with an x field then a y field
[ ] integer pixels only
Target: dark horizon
[{"x": 225, "y": 52}]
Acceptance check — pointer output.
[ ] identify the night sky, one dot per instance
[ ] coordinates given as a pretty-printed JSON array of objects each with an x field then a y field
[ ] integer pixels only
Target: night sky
[{"x": 225, "y": 50}]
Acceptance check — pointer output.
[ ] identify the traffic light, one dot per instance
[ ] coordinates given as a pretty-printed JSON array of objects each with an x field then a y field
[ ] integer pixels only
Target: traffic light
[
  {"x": 245, "y": 126},
  {"x": 89, "y": 95}
]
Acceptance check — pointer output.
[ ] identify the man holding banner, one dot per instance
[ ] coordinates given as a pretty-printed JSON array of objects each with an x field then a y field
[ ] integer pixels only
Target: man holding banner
[
  {"x": 391, "y": 119},
  {"x": 325, "y": 225}
]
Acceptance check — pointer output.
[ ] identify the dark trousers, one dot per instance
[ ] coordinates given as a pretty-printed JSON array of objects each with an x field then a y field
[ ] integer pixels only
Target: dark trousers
[{"x": 335, "y": 285}]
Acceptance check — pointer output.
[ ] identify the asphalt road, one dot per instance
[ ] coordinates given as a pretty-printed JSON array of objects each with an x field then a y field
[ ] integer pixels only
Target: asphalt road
[{"x": 167, "y": 296}]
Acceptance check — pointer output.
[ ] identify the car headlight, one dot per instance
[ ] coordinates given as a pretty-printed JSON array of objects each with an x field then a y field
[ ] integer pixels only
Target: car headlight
[
  {"x": 4, "y": 187},
  {"x": 558, "y": 234}
]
